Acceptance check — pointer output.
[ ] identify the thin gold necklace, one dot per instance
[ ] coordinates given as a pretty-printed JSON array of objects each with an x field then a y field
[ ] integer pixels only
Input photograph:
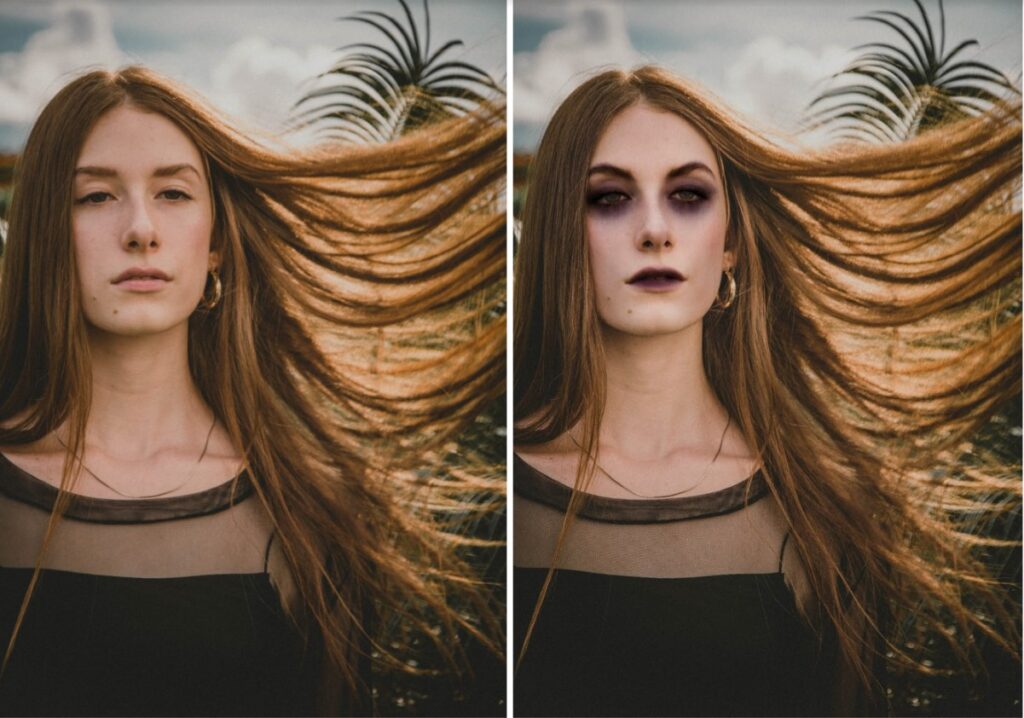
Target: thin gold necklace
[
  {"x": 703, "y": 476},
  {"x": 202, "y": 454}
]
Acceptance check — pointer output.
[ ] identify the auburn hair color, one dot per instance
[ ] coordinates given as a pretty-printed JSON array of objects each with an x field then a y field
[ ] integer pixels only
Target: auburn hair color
[
  {"x": 876, "y": 330},
  {"x": 361, "y": 329}
]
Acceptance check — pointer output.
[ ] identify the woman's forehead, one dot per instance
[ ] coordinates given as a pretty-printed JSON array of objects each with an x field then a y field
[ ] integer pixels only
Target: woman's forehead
[
  {"x": 643, "y": 137},
  {"x": 130, "y": 141}
]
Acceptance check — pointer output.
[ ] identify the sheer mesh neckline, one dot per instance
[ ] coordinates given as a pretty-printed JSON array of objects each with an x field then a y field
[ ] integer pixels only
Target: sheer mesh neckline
[
  {"x": 20, "y": 485},
  {"x": 532, "y": 484}
]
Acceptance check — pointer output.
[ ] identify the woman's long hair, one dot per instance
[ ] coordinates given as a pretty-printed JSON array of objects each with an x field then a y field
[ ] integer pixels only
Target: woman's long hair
[
  {"x": 876, "y": 330},
  {"x": 361, "y": 328}
]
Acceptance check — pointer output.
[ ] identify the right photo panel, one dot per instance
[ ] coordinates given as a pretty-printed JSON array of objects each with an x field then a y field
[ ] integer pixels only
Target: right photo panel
[{"x": 766, "y": 358}]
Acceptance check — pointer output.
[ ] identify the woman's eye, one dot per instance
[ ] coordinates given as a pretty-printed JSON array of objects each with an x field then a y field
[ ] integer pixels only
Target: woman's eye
[
  {"x": 95, "y": 198},
  {"x": 174, "y": 194},
  {"x": 688, "y": 196},
  {"x": 607, "y": 199}
]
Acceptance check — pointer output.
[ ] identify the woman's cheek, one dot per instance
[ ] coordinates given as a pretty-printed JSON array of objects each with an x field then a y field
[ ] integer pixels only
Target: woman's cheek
[{"x": 600, "y": 245}]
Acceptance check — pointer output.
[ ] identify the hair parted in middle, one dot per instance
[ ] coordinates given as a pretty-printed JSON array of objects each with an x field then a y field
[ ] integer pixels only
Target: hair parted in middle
[
  {"x": 342, "y": 268},
  {"x": 872, "y": 335}
]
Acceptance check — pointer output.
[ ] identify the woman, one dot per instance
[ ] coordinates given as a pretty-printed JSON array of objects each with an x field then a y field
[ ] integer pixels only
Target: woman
[
  {"x": 219, "y": 363},
  {"x": 741, "y": 376}
]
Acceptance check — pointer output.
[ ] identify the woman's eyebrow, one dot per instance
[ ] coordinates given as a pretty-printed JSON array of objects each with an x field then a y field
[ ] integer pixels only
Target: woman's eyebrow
[
  {"x": 93, "y": 171},
  {"x": 175, "y": 169},
  {"x": 688, "y": 168},
  {"x": 683, "y": 169},
  {"x": 609, "y": 170},
  {"x": 168, "y": 171}
]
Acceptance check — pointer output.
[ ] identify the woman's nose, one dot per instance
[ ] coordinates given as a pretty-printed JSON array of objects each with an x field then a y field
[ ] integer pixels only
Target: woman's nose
[
  {"x": 140, "y": 233},
  {"x": 654, "y": 233}
]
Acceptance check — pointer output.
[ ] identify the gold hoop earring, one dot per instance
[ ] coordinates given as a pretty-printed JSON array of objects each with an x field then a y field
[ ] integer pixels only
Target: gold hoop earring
[
  {"x": 218, "y": 290},
  {"x": 731, "y": 296}
]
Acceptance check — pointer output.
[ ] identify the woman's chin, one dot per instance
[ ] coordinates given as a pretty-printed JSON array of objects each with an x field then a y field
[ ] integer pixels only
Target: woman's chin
[
  {"x": 136, "y": 325},
  {"x": 654, "y": 325}
]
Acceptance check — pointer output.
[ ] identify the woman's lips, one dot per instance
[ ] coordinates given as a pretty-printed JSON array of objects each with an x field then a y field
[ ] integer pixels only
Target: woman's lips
[
  {"x": 656, "y": 279},
  {"x": 140, "y": 284},
  {"x": 141, "y": 279}
]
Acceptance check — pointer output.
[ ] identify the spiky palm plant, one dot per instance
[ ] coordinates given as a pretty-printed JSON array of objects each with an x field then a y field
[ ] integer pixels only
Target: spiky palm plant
[
  {"x": 386, "y": 89},
  {"x": 896, "y": 92}
]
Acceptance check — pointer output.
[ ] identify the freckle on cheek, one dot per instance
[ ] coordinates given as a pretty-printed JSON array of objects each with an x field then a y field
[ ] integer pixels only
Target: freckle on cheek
[
  {"x": 115, "y": 311},
  {"x": 629, "y": 311}
]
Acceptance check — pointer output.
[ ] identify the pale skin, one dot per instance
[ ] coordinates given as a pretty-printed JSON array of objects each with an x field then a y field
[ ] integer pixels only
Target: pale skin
[
  {"x": 141, "y": 201},
  {"x": 656, "y": 200}
]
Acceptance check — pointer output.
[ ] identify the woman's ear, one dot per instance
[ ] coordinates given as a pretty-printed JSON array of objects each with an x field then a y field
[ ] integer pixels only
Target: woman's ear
[
  {"x": 214, "y": 260},
  {"x": 728, "y": 259}
]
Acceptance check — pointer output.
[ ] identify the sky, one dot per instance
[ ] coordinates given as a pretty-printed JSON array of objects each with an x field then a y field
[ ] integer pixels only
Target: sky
[
  {"x": 766, "y": 58},
  {"x": 252, "y": 59}
]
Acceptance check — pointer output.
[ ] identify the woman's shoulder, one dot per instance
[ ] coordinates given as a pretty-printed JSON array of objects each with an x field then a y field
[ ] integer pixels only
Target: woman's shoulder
[
  {"x": 557, "y": 459},
  {"x": 41, "y": 459}
]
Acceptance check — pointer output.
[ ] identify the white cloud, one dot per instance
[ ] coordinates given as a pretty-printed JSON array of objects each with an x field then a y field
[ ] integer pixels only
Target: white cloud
[
  {"x": 772, "y": 82},
  {"x": 251, "y": 79},
  {"x": 594, "y": 36},
  {"x": 767, "y": 79},
  {"x": 259, "y": 82},
  {"x": 80, "y": 36}
]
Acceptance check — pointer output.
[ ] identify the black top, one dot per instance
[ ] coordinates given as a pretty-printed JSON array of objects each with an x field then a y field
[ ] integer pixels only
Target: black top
[
  {"x": 673, "y": 607},
  {"x": 146, "y": 607}
]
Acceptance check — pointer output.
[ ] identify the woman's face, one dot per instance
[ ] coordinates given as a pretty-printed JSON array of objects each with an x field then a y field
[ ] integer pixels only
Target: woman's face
[
  {"x": 655, "y": 223},
  {"x": 141, "y": 223}
]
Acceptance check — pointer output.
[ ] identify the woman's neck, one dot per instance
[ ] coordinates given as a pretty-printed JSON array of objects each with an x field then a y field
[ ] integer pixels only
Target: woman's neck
[
  {"x": 143, "y": 395},
  {"x": 658, "y": 395}
]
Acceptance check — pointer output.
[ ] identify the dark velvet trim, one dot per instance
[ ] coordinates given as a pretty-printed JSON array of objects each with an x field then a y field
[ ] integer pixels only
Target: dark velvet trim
[
  {"x": 20, "y": 485},
  {"x": 530, "y": 483}
]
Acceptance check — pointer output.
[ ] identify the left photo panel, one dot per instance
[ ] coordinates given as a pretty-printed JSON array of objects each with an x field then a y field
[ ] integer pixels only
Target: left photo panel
[{"x": 253, "y": 358}]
